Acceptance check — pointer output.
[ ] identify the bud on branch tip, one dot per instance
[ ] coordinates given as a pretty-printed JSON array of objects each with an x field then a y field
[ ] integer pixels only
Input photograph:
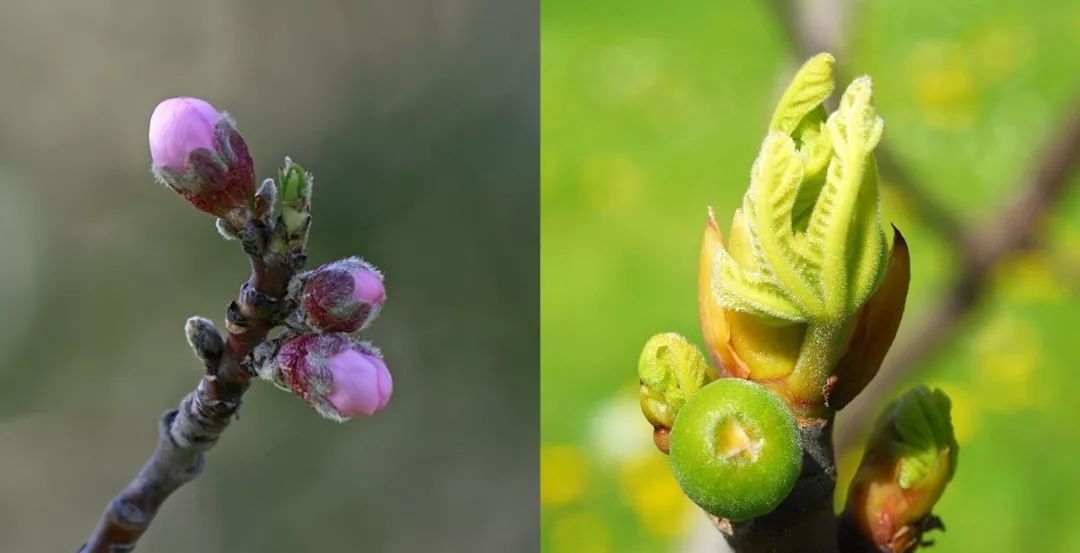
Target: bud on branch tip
[
  {"x": 197, "y": 151},
  {"x": 781, "y": 301}
]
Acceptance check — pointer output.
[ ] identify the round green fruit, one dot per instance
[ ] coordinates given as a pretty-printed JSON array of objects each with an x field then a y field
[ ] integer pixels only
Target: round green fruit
[{"x": 735, "y": 449}]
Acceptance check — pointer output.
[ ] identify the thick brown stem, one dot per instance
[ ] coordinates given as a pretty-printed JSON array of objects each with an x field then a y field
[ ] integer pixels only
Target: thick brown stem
[
  {"x": 804, "y": 522},
  {"x": 185, "y": 433}
]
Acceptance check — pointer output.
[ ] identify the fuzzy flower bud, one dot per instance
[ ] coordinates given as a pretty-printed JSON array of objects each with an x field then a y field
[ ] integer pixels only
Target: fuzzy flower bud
[
  {"x": 910, "y": 458},
  {"x": 808, "y": 276},
  {"x": 333, "y": 373},
  {"x": 343, "y": 296},
  {"x": 197, "y": 151}
]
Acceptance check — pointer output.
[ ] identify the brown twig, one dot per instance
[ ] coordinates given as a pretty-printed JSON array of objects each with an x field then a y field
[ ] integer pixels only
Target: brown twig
[{"x": 187, "y": 432}]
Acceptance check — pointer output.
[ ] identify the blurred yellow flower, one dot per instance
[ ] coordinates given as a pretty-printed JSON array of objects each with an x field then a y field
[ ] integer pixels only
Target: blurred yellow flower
[
  {"x": 1007, "y": 352},
  {"x": 653, "y": 494},
  {"x": 562, "y": 474},
  {"x": 1031, "y": 276},
  {"x": 944, "y": 86}
]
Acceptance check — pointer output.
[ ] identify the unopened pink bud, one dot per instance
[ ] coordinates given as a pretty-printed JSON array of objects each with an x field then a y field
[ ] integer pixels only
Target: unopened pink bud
[
  {"x": 362, "y": 383},
  {"x": 343, "y": 296},
  {"x": 197, "y": 152},
  {"x": 335, "y": 374},
  {"x": 178, "y": 127}
]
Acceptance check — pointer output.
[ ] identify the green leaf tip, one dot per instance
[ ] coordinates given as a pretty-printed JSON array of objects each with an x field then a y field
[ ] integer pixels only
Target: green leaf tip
[
  {"x": 295, "y": 183},
  {"x": 809, "y": 88}
]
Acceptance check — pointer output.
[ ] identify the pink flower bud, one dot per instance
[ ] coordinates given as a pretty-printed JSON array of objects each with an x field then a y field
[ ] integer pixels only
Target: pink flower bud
[
  {"x": 335, "y": 374},
  {"x": 343, "y": 296},
  {"x": 198, "y": 152}
]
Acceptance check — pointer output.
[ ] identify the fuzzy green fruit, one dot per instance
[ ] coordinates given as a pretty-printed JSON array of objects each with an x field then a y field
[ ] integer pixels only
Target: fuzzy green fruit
[{"x": 735, "y": 449}]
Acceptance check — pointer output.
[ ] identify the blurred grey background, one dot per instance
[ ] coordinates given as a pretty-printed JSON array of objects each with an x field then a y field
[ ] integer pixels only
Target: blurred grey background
[{"x": 419, "y": 121}]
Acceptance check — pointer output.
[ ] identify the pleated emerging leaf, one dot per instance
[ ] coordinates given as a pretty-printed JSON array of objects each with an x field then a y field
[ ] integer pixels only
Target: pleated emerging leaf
[
  {"x": 845, "y": 226},
  {"x": 817, "y": 249},
  {"x": 821, "y": 265}
]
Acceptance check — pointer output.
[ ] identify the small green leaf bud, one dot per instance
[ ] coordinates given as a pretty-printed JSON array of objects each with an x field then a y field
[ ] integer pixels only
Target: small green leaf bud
[
  {"x": 909, "y": 460},
  {"x": 670, "y": 369}
]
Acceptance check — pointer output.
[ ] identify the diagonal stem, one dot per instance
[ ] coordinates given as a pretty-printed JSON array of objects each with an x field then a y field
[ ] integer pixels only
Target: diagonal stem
[{"x": 186, "y": 433}]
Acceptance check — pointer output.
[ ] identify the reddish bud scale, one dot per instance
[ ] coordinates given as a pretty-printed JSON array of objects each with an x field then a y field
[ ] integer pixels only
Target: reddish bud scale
[
  {"x": 227, "y": 180},
  {"x": 343, "y": 296},
  {"x": 299, "y": 371}
]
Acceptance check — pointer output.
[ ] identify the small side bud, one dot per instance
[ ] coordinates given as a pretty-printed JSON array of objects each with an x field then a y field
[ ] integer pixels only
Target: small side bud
[
  {"x": 343, "y": 296},
  {"x": 197, "y": 152},
  {"x": 909, "y": 460},
  {"x": 338, "y": 376},
  {"x": 293, "y": 208},
  {"x": 670, "y": 370},
  {"x": 205, "y": 340}
]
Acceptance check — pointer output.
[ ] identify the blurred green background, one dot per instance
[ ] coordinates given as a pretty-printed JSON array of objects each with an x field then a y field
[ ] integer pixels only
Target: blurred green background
[
  {"x": 419, "y": 121},
  {"x": 649, "y": 114}
]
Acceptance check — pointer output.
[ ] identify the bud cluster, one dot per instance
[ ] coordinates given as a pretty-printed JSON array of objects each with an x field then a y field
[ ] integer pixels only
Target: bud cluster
[{"x": 197, "y": 152}]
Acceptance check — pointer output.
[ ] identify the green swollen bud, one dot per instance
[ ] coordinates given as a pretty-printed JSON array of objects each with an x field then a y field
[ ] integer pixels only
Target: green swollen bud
[
  {"x": 808, "y": 249},
  {"x": 293, "y": 207},
  {"x": 909, "y": 460},
  {"x": 735, "y": 449},
  {"x": 295, "y": 183},
  {"x": 670, "y": 369}
]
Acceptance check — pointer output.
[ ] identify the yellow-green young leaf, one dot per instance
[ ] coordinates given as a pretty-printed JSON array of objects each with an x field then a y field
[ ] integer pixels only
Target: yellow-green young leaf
[
  {"x": 847, "y": 209},
  {"x": 774, "y": 186},
  {"x": 736, "y": 289},
  {"x": 812, "y": 84}
]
